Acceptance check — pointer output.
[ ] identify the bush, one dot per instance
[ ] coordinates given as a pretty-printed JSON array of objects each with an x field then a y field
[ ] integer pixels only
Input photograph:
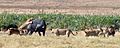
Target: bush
[{"x": 74, "y": 22}]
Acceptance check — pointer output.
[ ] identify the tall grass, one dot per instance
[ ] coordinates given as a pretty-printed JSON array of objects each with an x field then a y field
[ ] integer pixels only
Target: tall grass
[{"x": 74, "y": 22}]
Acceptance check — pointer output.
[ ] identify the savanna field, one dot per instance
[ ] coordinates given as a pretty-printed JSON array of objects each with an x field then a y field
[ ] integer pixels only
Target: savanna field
[
  {"x": 52, "y": 41},
  {"x": 71, "y": 14},
  {"x": 73, "y": 22}
]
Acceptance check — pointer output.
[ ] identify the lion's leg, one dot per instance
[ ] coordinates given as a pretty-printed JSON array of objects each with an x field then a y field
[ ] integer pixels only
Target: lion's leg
[
  {"x": 68, "y": 34},
  {"x": 104, "y": 35},
  {"x": 86, "y": 35},
  {"x": 113, "y": 35},
  {"x": 10, "y": 33},
  {"x": 21, "y": 32},
  {"x": 18, "y": 32},
  {"x": 57, "y": 35},
  {"x": 108, "y": 35}
]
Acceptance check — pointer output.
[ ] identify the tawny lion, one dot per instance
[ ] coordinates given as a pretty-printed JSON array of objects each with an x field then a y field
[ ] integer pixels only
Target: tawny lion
[
  {"x": 108, "y": 31},
  {"x": 23, "y": 27},
  {"x": 92, "y": 32},
  {"x": 13, "y": 31},
  {"x": 19, "y": 30},
  {"x": 59, "y": 32}
]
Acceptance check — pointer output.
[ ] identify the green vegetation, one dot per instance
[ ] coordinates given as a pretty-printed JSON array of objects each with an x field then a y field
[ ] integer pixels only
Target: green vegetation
[{"x": 74, "y": 22}]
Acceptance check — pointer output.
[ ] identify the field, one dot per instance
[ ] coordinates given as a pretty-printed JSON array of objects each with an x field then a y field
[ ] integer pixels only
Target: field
[
  {"x": 72, "y": 14},
  {"x": 52, "y": 41},
  {"x": 74, "y": 22}
]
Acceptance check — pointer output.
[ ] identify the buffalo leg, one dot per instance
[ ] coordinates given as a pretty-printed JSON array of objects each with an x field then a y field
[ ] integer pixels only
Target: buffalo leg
[
  {"x": 31, "y": 33},
  {"x": 43, "y": 33},
  {"x": 10, "y": 33},
  {"x": 39, "y": 33}
]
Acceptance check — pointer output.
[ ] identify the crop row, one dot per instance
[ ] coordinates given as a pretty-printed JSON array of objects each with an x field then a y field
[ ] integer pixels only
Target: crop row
[{"x": 74, "y": 22}]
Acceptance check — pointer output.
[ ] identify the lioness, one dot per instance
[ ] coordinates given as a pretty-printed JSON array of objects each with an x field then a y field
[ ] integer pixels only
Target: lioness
[
  {"x": 59, "y": 32},
  {"x": 108, "y": 31},
  {"x": 13, "y": 31},
  {"x": 92, "y": 32},
  {"x": 23, "y": 27}
]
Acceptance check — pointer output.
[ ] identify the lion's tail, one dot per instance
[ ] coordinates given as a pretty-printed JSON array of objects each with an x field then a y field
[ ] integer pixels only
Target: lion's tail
[{"x": 72, "y": 32}]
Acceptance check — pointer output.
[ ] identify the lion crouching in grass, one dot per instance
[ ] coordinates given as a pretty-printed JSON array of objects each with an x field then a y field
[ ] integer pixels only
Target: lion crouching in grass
[
  {"x": 13, "y": 31},
  {"x": 59, "y": 32},
  {"x": 92, "y": 32},
  {"x": 20, "y": 30}
]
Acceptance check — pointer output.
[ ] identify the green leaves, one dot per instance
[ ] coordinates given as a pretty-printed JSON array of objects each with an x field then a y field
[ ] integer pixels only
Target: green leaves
[{"x": 74, "y": 22}]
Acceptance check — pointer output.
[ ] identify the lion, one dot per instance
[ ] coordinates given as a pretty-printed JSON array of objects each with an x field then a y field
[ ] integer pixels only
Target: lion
[
  {"x": 108, "y": 31},
  {"x": 23, "y": 27},
  {"x": 92, "y": 32},
  {"x": 20, "y": 30},
  {"x": 13, "y": 31},
  {"x": 59, "y": 32},
  {"x": 111, "y": 31},
  {"x": 103, "y": 32}
]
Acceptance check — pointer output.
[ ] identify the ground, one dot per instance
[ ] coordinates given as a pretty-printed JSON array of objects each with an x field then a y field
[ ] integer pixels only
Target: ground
[
  {"x": 82, "y": 7},
  {"x": 52, "y": 41}
]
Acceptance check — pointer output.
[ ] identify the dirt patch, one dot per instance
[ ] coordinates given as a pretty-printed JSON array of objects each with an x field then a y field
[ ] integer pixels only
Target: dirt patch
[
  {"x": 82, "y": 7},
  {"x": 80, "y": 11}
]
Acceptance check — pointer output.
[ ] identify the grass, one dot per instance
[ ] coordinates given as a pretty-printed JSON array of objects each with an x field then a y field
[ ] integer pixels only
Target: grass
[
  {"x": 74, "y": 22},
  {"x": 51, "y": 41}
]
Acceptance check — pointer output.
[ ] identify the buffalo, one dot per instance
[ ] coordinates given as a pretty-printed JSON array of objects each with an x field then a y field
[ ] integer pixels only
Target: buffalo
[{"x": 37, "y": 25}]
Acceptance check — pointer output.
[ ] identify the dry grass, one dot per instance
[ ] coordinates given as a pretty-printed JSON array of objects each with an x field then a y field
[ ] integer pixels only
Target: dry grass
[
  {"x": 51, "y": 41},
  {"x": 59, "y": 3},
  {"x": 80, "y": 11}
]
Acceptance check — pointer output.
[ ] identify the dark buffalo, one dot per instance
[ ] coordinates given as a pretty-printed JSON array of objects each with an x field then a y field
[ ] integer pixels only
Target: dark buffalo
[{"x": 37, "y": 25}]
